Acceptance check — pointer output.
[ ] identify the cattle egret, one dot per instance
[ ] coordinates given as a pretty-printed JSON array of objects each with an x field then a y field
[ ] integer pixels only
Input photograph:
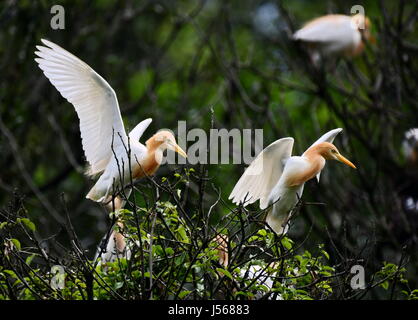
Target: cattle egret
[
  {"x": 112, "y": 154},
  {"x": 277, "y": 178},
  {"x": 335, "y": 35},
  {"x": 409, "y": 181},
  {"x": 410, "y": 147}
]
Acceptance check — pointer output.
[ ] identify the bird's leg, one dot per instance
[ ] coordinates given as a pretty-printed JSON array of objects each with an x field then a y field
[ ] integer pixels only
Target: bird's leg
[
  {"x": 294, "y": 210},
  {"x": 316, "y": 58},
  {"x": 157, "y": 192},
  {"x": 103, "y": 244},
  {"x": 113, "y": 204},
  {"x": 118, "y": 203},
  {"x": 222, "y": 249}
]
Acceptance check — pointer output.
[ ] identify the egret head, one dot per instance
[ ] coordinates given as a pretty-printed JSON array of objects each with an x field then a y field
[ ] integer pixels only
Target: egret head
[
  {"x": 363, "y": 25},
  {"x": 165, "y": 140},
  {"x": 330, "y": 152}
]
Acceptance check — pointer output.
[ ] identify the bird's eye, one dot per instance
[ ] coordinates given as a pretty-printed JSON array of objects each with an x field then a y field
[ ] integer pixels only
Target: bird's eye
[{"x": 333, "y": 151}]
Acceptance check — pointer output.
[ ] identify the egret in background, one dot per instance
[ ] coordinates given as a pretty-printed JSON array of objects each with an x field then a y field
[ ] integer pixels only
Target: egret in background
[
  {"x": 335, "y": 35},
  {"x": 410, "y": 147},
  {"x": 117, "y": 157},
  {"x": 410, "y": 181},
  {"x": 277, "y": 178}
]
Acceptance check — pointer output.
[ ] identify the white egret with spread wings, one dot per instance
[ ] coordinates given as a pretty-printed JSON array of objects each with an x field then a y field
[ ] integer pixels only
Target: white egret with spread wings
[
  {"x": 110, "y": 152},
  {"x": 277, "y": 178},
  {"x": 117, "y": 157}
]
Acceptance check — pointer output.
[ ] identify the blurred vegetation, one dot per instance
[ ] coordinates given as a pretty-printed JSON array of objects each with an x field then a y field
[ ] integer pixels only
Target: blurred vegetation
[{"x": 221, "y": 64}]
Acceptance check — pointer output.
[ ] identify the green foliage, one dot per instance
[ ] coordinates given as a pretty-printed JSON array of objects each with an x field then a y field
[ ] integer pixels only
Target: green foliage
[
  {"x": 171, "y": 258},
  {"x": 139, "y": 83}
]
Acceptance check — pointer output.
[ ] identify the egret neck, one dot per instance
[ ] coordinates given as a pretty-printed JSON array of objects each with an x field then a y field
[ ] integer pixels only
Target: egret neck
[
  {"x": 315, "y": 163},
  {"x": 155, "y": 148}
]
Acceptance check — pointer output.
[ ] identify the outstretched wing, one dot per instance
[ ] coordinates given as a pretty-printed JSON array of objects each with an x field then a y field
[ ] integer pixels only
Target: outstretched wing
[
  {"x": 263, "y": 173},
  {"x": 139, "y": 130},
  {"x": 328, "y": 28},
  {"x": 327, "y": 137},
  {"x": 93, "y": 99}
]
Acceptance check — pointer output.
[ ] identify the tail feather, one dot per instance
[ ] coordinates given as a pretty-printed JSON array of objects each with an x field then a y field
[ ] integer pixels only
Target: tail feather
[
  {"x": 279, "y": 224},
  {"x": 96, "y": 194},
  {"x": 90, "y": 173}
]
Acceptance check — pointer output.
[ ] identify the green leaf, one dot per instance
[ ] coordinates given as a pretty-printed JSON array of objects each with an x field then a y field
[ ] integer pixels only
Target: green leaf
[
  {"x": 242, "y": 293},
  {"x": 262, "y": 232},
  {"x": 385, "y": 285},
  {"x": 10, "y": 273},
  {"x": 325, "y": 254},
  {"x": 183, "y": 234},
  {"x": 252, "y": 238},
  {"x": 286, "y": 243},
  {"x": 118, "y": 285},
  {"x": 225, "y": 272},
  {"x": 29, "y": 259},
  {"x": 29, "y": 224},
  {"x": 183, "y": 294},
  {"x": 16, "y": 244},
  {"x": 169, "y": 251}
]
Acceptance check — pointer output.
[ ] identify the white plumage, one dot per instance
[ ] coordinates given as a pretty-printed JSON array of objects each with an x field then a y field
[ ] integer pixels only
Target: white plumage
[
  {"x": 120, "y": 167},
  {"x": 93, "y": 99},
  {"x": 263, "y": 173},
  {"x": 107, "y": 148},
  {"x": 118, "y": 158},
  {"x": 410, "y": 144},
  {"x": 269, "y": 179},
  {"x": 334, "y": 34}
]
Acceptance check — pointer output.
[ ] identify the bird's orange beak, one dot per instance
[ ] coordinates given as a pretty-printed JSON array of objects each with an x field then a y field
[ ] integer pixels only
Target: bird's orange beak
[
  {"x": 345, "y": 161},
  {"x": 180, "y": 151}
]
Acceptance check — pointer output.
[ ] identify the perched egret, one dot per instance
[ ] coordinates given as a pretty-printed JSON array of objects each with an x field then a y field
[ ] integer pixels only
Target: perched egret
[
  {"x": 110, "y": 152},
  {"x": 409, "y": 190},
  {"x": 335, "y": 35},
  {"x": 277, "y": 178},
  {"x": 410, "y": 147}
]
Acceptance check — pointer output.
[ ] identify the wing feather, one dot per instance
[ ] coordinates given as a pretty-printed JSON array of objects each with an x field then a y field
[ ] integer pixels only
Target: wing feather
[
  {"x": 263, "y": 173},
  {"x": 328, "y": 28},
  {"x": 327, "y": 137},
  {"x": 139, "y": 129},
  {"x": 93, "y": 98}
]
